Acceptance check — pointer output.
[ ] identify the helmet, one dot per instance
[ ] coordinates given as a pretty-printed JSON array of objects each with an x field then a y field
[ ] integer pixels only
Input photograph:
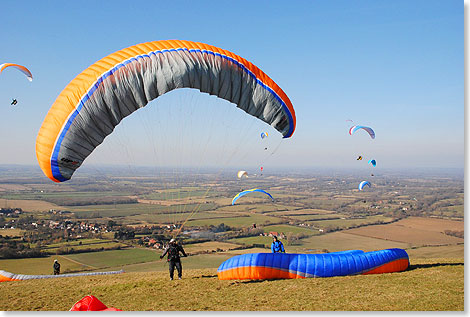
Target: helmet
[{"x": 172, "y": 240}]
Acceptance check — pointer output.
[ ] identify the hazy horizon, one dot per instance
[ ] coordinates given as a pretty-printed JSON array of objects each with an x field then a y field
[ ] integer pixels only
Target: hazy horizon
[{"x": 395, "y": 66}]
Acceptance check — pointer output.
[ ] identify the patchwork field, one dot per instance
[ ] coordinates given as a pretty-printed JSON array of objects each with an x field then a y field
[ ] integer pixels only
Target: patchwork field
[
  {"x": 414, "y": 231},
  {"x": 28, "y": 205}
]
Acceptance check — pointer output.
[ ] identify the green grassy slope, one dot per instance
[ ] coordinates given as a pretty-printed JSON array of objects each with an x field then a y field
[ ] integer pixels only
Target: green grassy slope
[{"x": 429, "y": 285}]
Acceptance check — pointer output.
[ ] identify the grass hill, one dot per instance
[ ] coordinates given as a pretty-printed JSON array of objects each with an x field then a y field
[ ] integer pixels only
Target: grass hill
[{"x": 428, "y": 285}]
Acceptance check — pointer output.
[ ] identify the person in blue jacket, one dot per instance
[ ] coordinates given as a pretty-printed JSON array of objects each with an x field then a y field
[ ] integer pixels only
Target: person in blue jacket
[{"x": 277, "y": 246}]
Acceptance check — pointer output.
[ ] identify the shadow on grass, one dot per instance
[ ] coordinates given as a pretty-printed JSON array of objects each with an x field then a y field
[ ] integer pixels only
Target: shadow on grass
[
  {"x": 424, "y": 266},
  {"x": 205, "y": 276},
  {"x": 255, "y": 281}
]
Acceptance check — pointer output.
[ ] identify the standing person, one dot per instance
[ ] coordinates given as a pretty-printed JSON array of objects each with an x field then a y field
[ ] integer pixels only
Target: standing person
[
  {"x": 277, "y": 246},
  {"x": 173, "y": 251},
  {"x": 56, "y": 267}
]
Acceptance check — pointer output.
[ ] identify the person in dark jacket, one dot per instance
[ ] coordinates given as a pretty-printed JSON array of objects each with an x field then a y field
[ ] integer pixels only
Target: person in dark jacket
[
  {"x": 174, "y": 259},
  {"x": 277, "y": 246},
  {"x": 56, "y": 267}
]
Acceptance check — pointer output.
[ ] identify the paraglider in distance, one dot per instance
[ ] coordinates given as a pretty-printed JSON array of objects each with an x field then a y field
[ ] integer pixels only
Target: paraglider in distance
[
  {"x": 362, "y": 184},
  {"x": 359, "y": 158},
  {"x": 14, "y": 102},
  {"x": 264, "y": 135},
  {"x": 367, "y": 129},
  {"x": 21, "y": 68},
  {"x": 95, "y": 102},
  {"x": 243, "y": 193},
  {"x": 373, "y": 162},
  {"x": 258, "y": 266},
  {"x": 240, "y": 174}
]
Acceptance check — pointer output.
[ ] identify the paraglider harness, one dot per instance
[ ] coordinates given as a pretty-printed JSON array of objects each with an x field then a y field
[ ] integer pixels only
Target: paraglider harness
[{"x": 174, "y": 252}]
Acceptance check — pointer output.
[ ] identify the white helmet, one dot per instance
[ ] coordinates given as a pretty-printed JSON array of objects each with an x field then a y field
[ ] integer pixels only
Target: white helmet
[{"x": 172, "y": 240}]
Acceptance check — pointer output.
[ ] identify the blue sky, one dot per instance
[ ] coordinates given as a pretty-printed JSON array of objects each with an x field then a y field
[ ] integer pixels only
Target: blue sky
[{"x": 397, "y": 66}]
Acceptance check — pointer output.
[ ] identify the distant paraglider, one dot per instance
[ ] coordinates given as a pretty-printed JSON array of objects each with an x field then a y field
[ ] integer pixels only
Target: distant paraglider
[
  {"x": 373, "y": 162},
  {"x": 264, "y": 135},
  {"x": 21, "y": 68},
  {"x": 367, "y": 129},
  {"x": 362, "y": 184},
  {"x": 359, "y": 158},
  {"x": 243, "y": 193},
  {"x": 14, "y": 102},
  {"x": 240, "y": 174}
]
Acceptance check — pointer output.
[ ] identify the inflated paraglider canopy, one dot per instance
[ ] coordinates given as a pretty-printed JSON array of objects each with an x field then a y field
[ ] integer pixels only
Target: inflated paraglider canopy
[
  {"x": 243, "y": 193},
  {"x": 264, "y": 135},
  {"x": 21, "y": 68},
  {"x": 373, "y": 162},
  {"x": 93, "y": 103},
  {"x": 359, "y": 158},
  {"x": 14, "y": 102},
  {"x": 358, "y": 127},
  {"x": 241, "y": 174},
  {"x": 362, "y": 184}
]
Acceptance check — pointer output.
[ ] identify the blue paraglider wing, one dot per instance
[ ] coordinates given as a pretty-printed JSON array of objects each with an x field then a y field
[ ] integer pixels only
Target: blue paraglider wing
[{"x": 243, "y": 193}]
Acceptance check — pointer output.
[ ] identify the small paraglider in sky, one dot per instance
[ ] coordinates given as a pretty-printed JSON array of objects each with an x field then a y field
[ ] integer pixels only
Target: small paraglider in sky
[
  {"x": 367, "y": 129},
  {"x": 14, "y": 102},
  {"x": 362, "y": 184},
  {"x": 359, "y": 158},
  {"x": 373, "y": 162},
  {"x": 264, "y": 135},
  {"x": 265, "y": 148},
  {"x": 371, "y": 174},
  {"x": 22, "y": 69},
  {"x": 243, "y": 193},
  {"x": 240, "y": 174}
]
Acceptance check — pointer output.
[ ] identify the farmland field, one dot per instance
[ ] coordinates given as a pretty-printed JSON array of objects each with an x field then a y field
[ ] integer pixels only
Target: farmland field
[
  {"x": 413, "y": 231},
  {"x": 28, "y": 205},
  {"x": 217, "y": 230}
]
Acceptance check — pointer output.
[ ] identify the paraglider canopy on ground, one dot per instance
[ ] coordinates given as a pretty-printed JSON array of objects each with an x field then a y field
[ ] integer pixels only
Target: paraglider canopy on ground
[{"x": 91, "y": 303}]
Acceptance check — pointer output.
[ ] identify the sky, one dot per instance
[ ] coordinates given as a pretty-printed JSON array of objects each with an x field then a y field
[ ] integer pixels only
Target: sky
[{"x": 396, "y": 66}]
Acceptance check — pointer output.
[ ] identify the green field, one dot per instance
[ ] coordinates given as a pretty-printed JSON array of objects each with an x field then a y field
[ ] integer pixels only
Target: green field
[
  {"x": 123, "y": 210},
  {"x": 292, "y": 229},
  {"x": 115, "y": 258},
  {"x": 239, "y": 221},
  {"x": 429, "y": 285},
  {"x": 345, "y": 223}
]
